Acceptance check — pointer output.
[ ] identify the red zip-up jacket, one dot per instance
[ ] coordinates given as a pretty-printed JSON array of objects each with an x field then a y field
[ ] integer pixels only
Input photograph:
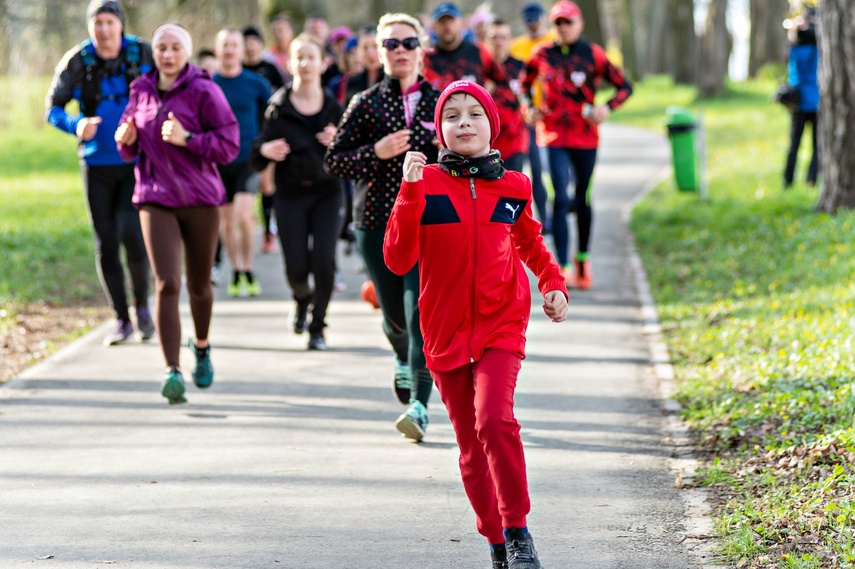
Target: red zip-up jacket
[{"x": 470, "y": 237}]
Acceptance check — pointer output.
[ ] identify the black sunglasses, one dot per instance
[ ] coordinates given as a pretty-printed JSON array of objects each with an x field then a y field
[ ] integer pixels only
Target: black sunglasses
[{"x": 409, "y": 44}]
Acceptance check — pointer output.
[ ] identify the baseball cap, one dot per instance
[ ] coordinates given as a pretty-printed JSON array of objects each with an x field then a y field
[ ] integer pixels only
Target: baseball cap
[
  {"x": 253, "y": 31},
  {"x": 340, "y": 33},
  {"x": 446, "y": 9},
  {"x": 532, "y": 12},
  {"x": 564, "y": 9}
]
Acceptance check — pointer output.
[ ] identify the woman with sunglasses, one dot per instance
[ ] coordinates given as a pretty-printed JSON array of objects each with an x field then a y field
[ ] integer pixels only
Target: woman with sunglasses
[{"x": 379, "y": 127}]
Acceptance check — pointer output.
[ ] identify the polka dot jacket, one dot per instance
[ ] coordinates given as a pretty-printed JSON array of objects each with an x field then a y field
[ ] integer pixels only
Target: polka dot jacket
[{"x": 381, "y": 110}]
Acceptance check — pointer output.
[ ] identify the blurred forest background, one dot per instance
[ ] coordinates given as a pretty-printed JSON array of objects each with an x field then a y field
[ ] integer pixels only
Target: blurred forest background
[{"x": 674, "y": 37}]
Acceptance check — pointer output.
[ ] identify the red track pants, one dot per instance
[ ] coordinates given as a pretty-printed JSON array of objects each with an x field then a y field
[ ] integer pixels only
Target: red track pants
[{"x": 480, "y": 402}]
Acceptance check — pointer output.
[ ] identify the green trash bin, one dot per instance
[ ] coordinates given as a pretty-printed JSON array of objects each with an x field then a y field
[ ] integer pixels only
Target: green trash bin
[{"x": 681, "y": 132}]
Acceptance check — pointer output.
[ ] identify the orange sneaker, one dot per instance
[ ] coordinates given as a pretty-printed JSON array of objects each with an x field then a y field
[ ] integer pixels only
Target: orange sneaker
[
  {"x": 569, "y": 277},
  {"x": 269, "y": 244},
  {"x": 584, "y": 278},
  {"x": 369, "y": 294}
]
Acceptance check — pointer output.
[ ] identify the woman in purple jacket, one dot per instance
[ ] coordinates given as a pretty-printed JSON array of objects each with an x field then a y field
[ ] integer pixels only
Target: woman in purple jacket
[{"x": 179, "y": 124}]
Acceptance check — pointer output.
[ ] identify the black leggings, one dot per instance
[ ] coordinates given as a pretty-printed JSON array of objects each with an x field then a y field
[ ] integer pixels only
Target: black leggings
[
  {"x": 115, "y": 222},
  {"x": 582, "y": 161},
  {"x": 318, "y": 213},
  {"x": 399, "y": 301},
  {"x": 797, "y": 128}
]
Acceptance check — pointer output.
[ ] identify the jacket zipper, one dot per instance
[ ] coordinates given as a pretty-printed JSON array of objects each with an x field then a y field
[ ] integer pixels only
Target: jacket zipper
[
  {"x": 169, "y": 165},
  {"x": 472, "y": 287}
]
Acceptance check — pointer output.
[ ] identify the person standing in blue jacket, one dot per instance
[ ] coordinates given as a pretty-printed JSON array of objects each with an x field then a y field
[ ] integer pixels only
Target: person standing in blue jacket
[
  {"x": 802, "y": 71},
  {"x": 97, "y": 74}
]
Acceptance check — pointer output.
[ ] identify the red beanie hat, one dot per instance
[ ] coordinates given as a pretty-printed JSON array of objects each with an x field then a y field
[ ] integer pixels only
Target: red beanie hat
[{"x": 477, "y": 91}]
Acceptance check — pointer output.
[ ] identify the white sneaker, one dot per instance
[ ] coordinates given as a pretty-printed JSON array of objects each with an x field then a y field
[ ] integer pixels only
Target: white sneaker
[
  {"x": 338, "y": 284},
  {"x": 216, "y": 276}
]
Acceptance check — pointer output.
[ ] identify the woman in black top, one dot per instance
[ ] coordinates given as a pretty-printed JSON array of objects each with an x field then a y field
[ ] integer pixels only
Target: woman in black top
[
  {"x": 380, "y": 125},
  {"x": 299, "y": 124}
]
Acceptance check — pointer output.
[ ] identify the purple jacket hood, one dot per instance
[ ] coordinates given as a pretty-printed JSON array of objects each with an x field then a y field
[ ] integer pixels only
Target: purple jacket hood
[{"x": 179, "y": 176}]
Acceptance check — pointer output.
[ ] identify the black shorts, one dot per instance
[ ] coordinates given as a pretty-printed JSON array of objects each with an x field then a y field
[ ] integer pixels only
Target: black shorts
[{"x": 238, "y": 177}]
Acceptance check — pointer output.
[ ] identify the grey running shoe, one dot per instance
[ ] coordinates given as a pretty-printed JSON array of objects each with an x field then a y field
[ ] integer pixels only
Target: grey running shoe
[
  {"x": 122, "y": 332},
  {"x": 317, "y": 342},
  {"x": 520, "y": 550},
  {"x": 413, "y": 423},
  {"x": 145, "y": 323}
]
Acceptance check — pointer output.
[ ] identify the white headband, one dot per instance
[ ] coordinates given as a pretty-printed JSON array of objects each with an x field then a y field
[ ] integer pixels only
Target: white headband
[{"x": 181, "y": 34}]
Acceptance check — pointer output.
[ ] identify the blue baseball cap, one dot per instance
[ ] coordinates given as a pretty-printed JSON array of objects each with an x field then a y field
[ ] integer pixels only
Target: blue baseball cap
[
  {"x": 532, "y": 12},
  {"x": 446, "y": 9}
]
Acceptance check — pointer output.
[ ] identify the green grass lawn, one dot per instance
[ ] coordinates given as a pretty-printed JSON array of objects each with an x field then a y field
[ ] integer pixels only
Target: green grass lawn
[
  {"x": 756, "y": 298},
  {"x": 45, "y": 236}
]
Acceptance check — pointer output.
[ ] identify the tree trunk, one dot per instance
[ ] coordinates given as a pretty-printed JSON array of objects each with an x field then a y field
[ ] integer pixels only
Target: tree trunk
[
  {"x": 768, "y": 37},
  {"x": 657, "y": 47},
  {"x": 685, "y": 41},
  {"x": 716, "y": 44},
  {"x": 836, "y": 34},
  {"x": 593, "y": 24},
  {"x": 627, "y": 41},
  {"x": 5, "y": 34}
]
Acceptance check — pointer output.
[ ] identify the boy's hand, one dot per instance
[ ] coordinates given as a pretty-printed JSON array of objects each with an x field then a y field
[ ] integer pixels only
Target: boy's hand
[
  {"x": 414, "y": 165},
  {"x": 555, "y": 305}
]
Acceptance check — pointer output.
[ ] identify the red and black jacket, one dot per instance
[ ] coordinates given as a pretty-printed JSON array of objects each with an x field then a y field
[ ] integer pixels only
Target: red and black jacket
[
  {"x": 570, "y": 76},
  {"x": 470, "y": 238},
  {"x": 474, "y": 63}
]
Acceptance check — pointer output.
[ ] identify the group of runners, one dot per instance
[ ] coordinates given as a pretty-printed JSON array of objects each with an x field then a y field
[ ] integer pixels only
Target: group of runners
[{"x": 401, "y": 142}]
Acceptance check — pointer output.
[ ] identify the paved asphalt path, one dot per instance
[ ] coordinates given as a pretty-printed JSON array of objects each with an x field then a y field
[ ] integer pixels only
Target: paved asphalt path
[{"x": 291, "y": 459}]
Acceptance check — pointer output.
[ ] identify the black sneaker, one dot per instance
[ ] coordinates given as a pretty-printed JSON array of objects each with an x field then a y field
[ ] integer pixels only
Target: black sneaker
[
  {"x": 317, "y": 342},
  {"x": 499, "y": 555},
  {"x": 300, "y": 314},
  {"x": 520, "y": 550}
]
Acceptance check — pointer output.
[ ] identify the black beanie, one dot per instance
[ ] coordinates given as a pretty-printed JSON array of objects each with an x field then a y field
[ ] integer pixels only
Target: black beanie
[{"x": 109, "y": 6}]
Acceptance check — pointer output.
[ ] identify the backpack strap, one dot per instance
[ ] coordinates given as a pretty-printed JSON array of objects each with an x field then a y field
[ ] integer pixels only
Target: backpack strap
[
  {"x": 90, "y": 96},
  {"x": 132, "y": 59},
  {"x": 91, "y": 88}
]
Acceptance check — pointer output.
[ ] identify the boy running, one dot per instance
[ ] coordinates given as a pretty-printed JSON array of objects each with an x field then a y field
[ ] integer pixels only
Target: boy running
[{"x": 468, "y": 224}]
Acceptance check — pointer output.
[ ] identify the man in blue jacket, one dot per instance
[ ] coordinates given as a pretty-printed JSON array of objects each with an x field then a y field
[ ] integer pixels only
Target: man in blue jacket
[{"x": 97, "y": 73}]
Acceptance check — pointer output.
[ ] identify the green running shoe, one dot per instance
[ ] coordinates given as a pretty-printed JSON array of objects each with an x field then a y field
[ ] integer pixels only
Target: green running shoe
[
  {"x": 402, "y": 382},
  {"x": 173, "y": 386},
  {"x": 237, "y": 286},
  {"x": 414, "y": 421},
  {"x": 250, "y": 284},
  {"x": 203, "y": 373}
]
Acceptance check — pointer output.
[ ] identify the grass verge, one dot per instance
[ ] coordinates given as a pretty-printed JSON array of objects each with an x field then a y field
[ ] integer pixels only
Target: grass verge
[
  {"x": 47, "y": 260},
  {"x": 755, "y": 296}
]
